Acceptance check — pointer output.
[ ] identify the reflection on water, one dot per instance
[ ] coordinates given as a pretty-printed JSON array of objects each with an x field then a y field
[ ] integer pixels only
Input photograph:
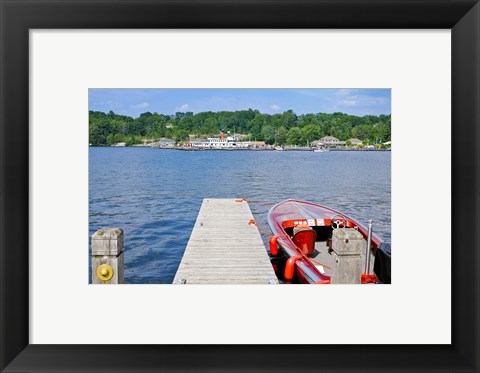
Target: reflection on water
[{"x": 155, "y": 195}]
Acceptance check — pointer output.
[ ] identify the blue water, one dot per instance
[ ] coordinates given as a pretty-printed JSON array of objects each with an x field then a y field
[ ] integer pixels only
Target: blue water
[{"x": 155, "y": 195}]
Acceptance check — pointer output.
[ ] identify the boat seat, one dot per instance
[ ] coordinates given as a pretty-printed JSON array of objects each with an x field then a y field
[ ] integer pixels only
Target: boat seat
[{"x": 305, "y": 240}]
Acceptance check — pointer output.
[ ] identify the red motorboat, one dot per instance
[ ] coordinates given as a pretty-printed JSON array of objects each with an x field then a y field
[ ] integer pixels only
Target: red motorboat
[{"x": 302, "y": 236}]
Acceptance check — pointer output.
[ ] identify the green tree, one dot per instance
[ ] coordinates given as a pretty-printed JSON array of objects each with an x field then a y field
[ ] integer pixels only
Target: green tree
[
  {"x": 281, "y": 135},
  {"x": 310, "y": 133},
  {"x": 289, "y": 119},
  {"x": 294, "y": 136},
  {"x": 133, "y": 140},
  {"x": 383, "y": 132},
  {"x": 110, "y": 128},
  {"x": 181, "y": 135},
  {"x": 268, "y": 134}
]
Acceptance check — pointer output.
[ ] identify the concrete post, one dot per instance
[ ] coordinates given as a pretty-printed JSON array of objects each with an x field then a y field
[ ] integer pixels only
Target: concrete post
[
  {"x": 107, "y": 256},
  {"x": 348, "y": 245}
]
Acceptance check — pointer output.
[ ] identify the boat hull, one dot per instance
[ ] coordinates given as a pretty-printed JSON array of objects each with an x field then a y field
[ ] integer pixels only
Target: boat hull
[{"x": 287, "y": 215}]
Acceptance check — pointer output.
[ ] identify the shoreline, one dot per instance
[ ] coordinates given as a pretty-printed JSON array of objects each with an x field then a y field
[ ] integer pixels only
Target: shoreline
[{"x": 243, "y": 149}]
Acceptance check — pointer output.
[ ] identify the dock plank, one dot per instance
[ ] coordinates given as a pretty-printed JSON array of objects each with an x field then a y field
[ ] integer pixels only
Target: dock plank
[{"x": 224, "y": 249}]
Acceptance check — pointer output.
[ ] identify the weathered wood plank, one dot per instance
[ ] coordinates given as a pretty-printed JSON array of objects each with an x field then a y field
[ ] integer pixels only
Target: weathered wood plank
[{"x": 224, "y": 249}]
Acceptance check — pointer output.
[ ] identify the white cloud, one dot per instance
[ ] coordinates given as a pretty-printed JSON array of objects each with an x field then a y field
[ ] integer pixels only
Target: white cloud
[
  {"x": 362, "y": 100},
  {"x": 183, "y": 108},
  {"x": 141, "y": 105},
  {"x": 348, "y": 98},
  {"x": 275, "y": 107},
  {"x": 348, "y": 102}
]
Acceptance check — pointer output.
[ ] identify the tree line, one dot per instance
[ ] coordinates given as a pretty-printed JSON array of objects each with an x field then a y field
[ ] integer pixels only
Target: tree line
[{"x": 287, "y": 128}]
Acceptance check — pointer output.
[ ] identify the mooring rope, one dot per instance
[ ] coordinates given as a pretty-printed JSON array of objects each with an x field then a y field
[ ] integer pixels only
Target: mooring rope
[
  {"x": 256, "y": 202},
  {"x": 263, "y": 230}
]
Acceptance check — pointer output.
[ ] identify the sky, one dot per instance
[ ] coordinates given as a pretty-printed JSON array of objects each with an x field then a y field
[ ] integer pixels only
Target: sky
[{"x": 133, "y": 102}]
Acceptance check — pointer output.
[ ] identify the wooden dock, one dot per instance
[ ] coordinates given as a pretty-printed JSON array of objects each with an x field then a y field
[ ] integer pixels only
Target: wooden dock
[{"x": 224, "y": 248}]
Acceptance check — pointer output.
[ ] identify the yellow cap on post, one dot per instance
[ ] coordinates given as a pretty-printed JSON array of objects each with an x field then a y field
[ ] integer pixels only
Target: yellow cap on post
[{"x": 104, "y": 272}]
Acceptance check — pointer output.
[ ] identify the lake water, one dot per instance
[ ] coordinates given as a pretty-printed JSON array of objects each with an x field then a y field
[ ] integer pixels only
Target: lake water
[{"x": 155, "y": 195}]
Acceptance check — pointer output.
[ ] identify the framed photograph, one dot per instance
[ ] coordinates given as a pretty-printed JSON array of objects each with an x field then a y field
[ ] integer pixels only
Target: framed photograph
[
  {"x": 133, "y": 130},
  {"x": 194, "y": 151}
]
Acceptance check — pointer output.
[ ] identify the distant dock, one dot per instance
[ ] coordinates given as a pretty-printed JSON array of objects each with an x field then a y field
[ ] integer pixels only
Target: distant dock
[{"x": 224, "y": 248}]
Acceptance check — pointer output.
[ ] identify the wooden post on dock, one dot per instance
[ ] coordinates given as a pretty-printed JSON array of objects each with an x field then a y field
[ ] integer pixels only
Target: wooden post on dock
[
  {"x": 107, "y": 256},
  {"x": 347, "y": 245}
]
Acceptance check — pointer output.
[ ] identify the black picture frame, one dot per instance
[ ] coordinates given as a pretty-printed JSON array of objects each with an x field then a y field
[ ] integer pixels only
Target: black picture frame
[{"x": 19, "y": 16}]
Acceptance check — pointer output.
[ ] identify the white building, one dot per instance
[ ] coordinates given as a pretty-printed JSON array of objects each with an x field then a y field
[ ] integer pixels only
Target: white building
[
  {"x": 327, "y": 141},
  {"x": 216, "y": 143},
  {"x": 330, "y": 140}
]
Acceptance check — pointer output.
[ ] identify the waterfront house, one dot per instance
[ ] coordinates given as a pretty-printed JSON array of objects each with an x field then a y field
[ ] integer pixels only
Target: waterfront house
[
  {"x": 328, "y": 141},
  {"x": 355, "y": 141},
  {"x": 317, "y": 143}
]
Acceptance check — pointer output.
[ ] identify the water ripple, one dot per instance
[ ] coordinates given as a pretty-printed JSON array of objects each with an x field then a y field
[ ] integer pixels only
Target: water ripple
[{"x": 155, "y": 195}]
